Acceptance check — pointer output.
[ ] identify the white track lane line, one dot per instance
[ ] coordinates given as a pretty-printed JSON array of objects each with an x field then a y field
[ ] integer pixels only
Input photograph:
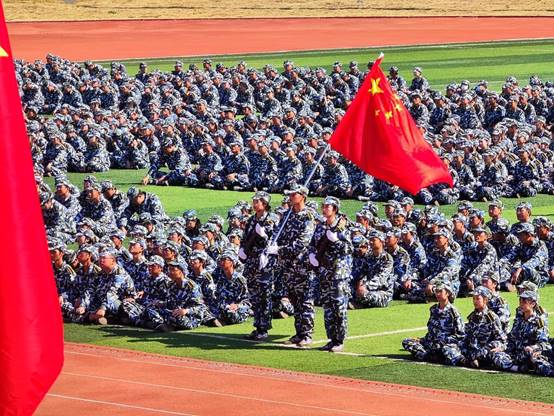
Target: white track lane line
[
  {"x": 215, "y": 393},
  {"x": 367, "y": 388},
  {"x": 127, "y": 406}
]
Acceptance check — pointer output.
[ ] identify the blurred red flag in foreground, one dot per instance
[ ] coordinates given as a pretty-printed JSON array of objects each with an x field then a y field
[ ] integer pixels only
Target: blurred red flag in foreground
[
  {"x": 31, "y": 333},
  {"x": 380, "y": 136}
]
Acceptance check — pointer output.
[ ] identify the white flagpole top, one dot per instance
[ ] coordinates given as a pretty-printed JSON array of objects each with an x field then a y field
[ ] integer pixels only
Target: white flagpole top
[{"x": 381, "y": 55}]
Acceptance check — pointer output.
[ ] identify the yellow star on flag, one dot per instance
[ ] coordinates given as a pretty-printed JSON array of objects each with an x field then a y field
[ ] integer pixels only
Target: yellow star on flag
[
  {"x": 388, "y": 115},
  {"x": 398, "y": 107},
  {"x": 375, "y": 89},
  {"x": 3, "y": 53},
  {"x": 377, "y": 112}
]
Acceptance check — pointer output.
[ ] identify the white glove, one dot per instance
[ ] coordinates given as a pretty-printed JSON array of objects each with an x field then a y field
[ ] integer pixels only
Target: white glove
[
  {"x": 242, "y": 254},
  {"x": 313, "y": 260},
  {"x": 263, "y": 261},
  {"x": 261, "y": 231},
  {"x": 272, "y": 249},
  {"x": 331, "y": 236}
]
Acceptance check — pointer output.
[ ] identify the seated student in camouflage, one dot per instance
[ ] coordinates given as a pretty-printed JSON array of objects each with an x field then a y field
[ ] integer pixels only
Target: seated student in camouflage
[
  {"x": 183, "y": 307},
  {"x": 483, "y": 334},
  {"x": 479, "y": 258},
  {"x": 65, "y": 277},
  {"x": 114, "y": 286},
  {"x": 529, "y": 258},
  {"x": 528, "y": 347},
  {"x": 232, "y": 304},
  {"x": 445, "y": 328},
  {"x": 374, "y": 286},
  {"x": 496, "y": 303}
]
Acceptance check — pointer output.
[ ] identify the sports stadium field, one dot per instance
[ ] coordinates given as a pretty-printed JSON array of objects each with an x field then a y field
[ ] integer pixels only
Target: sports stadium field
[{"x": 373, "y": 350}]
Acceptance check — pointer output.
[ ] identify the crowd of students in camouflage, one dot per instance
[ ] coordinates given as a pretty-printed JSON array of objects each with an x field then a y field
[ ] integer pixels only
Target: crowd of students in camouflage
[
  {"x": 248, "y": 129},
  {"x": 262, "y": 131},
  {"x": 179, "y": 274}
]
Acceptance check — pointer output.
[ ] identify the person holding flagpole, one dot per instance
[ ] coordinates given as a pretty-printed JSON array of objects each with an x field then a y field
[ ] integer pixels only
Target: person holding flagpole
[{"x": 291, "y": 246}]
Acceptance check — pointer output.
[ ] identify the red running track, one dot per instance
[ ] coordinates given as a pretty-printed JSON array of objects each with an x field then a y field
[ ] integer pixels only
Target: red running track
[
  {"x": 101, "y": 381},
  {"x": 107, "y": 40}
]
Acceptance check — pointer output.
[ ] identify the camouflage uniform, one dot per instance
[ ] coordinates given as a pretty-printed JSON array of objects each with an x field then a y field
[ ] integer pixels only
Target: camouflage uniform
[
  {"x": 334, "y": 264},
  {"x": 477, "y": 261},
  {"x": 445, "y": 329},
  {"x": 531, "y": 332},
  {"x": 378, "y": 279},
  {"x": 293, "y": 260},
  {"x": 259, "y": 281},
  {"x": 483, "y": 332}
]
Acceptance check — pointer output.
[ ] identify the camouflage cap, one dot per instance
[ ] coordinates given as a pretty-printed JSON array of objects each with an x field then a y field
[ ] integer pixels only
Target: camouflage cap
[
  {"x": 440, "y": 285},
  {"x": 117, "y": 233},
  {"x": 235, "y": 232},
  {"x": 494, "y": 276},
  {"x": 190, "y": 215},
  {"x": 263, "y": 196},
  {"x": 542, "y": 222},
  {"x": 465, "y": 205},
  {"x": 399, "y": 212},
  {"x": 376, "y": 234},
  {"x": 482, "y": 291},
  {"x": 528, "y": 294},
  {"x": 526, "y": 228},
  {"x": 155, "y": 260},
  {"x": 108, "y": 252},
  {"x": 501, "y": 226},
  {"x": 199, "y": 255},
  {"x": 527, "y": 285},
  {"x": 331, "y": 200},
  {"x": 138, "y": 230},
  {"x": 133, "y": 192},
  {"x": 105, "y": 185},
  {"x": 496, "y": 203},
  {"x": 524, "y": 205},
  {"x": 228, "y": 254},
  {"x": 409, "y": 228},
  {"x": 56, "y": 245},
  {"x": 297, "y": 189},
  {"x": 407, "y": 201},
  {"x": 359, "y": 240},
  {"x": 442, "y": 232},
  {"x": 178, "y": 265},
  {"x": 201, "y": 239}
]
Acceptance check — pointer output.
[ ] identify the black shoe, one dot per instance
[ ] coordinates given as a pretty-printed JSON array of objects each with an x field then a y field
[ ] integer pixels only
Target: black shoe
[
  {"x": 163, "y": 328},
  {"x": 326, "y": 347},
  {"x": 215, "y": 323},
  {"x": 295, "y": 339},
  {"x": 257, "y": 336}
]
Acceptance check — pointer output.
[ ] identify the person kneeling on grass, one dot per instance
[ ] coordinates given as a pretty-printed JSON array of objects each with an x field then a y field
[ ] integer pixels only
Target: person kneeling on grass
[
  {"x": 233, "y": 306},
  {"x": 483, "y": 334},
  {"x": 445, "y": 328}
]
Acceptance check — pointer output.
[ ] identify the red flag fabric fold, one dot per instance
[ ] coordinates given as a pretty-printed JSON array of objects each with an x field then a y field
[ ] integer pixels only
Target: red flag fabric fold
[
  {"x": 379, "y": 135},
  {"x": 31, "y": 332}
]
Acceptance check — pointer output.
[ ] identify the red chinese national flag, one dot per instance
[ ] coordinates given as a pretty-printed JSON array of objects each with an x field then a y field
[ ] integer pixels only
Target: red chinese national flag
[
  {"x": 31, "y": 336},
  {"x": 379, "y": 135}
]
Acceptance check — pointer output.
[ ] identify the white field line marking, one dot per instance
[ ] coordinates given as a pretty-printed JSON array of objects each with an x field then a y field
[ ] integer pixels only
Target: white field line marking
[
  {"x": 378, "y": 334},
  {"x": 367, "y": 388},
  {"x": 234, "y": 396},
  {"x": 128, "y": 406},
  {"x": 320, "y": 341}
]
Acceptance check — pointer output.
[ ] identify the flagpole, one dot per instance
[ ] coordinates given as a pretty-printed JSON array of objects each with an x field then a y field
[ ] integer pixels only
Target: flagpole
[{"x": 276, "y": 236}]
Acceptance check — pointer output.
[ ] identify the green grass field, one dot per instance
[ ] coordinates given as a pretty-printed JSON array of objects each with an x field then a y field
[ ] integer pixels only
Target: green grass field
[{"x": 375, "y": 352}]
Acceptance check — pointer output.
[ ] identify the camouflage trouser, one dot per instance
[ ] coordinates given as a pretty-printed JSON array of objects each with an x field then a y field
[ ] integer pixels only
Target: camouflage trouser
[
  {"x": 133, "y": 311},
  {"x": 425, "y": 196},
  {"x": 527, "y": 189},
  {"x": 298, "y": 280},
  {"x": 175, "y": 178},
  {"x": 454, "y": 353},
  {"x": 241, "y": 314},
  {"x": 467, "y": 192},
  {"x": 488, "y": 192},
  {"x": 67, "y": 309},
  {"x": 543, "y": 366},
  {"x": 505, "y": 360},
  {"x": 375, "y": 299},
  {"x": 264, "y": 181},
  {"x": 280, "y": 302},
  {"x": 447, "y": 196},
  {"x": 334, "y": 299},
  {"x": 260, "y": 283},
  {"x": 533, "y": 275},
  {"x": 425, "y": 351},
  {"x": 241, "y": 180},
  {"x": 154, "y": 317}
]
